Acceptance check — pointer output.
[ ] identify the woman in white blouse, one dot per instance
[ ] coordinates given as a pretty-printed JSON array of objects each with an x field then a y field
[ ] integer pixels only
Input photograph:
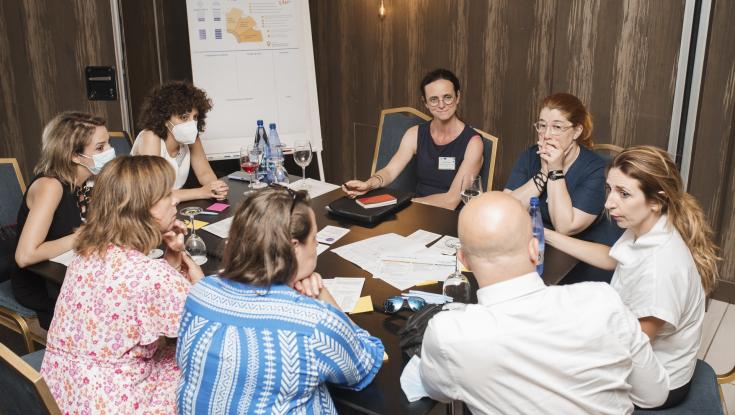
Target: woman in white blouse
[
  {"x": 665, "y": 262},
  {"x": 171, "y": 118}
]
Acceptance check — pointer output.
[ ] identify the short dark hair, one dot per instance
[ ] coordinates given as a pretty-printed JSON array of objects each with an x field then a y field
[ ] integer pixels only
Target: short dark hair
[
  {"x": 172, "y": 98},
  {"x": 259, "y": 249},
  {"x": 436, "y": 75}
]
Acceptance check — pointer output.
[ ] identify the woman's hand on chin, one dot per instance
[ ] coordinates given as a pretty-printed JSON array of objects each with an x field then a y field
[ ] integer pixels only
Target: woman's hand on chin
[{"x": 310, "y": 286}]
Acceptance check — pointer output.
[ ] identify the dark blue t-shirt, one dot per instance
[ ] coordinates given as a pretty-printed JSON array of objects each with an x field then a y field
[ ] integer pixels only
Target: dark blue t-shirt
[
  {"x": 431, "y": 180},
  {"x": 585, "y": 182}
]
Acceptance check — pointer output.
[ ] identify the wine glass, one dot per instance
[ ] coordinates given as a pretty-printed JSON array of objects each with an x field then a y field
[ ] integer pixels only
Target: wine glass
[
  {"x": 471, "y": 186},
  {"x": 456, "y": 285},
  {"x": 250, "y": 158},
  {"x": 194, "y": 243},
  {"x": 302, "y": 156}
]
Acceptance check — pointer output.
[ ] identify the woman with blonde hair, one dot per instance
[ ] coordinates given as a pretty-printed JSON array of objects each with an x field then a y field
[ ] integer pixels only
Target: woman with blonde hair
[
  {"x": 265, "y": 335},
  {"x": 75, "y": 147},
  {"x": 665, "y": 262},
  {"x": 104, "y": 353}
]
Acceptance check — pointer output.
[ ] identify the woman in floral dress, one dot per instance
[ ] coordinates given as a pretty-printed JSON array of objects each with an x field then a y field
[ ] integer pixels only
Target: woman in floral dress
[{"x": 106, "y": 351}]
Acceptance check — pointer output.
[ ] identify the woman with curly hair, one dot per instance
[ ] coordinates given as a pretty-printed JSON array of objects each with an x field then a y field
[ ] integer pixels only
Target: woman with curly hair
[
  {"x": 665, "y": 262},
  {"x": 171, "y": 119}
]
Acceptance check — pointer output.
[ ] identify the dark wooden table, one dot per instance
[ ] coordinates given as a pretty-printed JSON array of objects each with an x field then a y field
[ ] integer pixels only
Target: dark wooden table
[{"x": 384, "y": 395}]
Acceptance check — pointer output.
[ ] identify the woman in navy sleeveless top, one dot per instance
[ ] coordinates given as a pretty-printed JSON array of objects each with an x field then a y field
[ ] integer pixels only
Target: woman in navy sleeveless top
[
  {"x": 75, "y": 146},
  {"x": 446, "y": 149}
]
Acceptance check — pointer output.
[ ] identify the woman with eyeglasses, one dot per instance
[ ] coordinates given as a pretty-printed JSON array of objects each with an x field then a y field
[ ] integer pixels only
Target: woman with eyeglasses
[
  {"x": 446, "y": 149},
  {"x": 75, "y": 147},
  {"x": 567, "y": 177},
  {"x": 265, "y": 335}
]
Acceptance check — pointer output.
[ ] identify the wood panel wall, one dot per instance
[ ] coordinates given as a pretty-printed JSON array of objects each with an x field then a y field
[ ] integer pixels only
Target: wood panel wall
[
  {"x": 618, "y": 56},
  {"x": 712, "y": 174},
  {"x": 44, "y": 48}
]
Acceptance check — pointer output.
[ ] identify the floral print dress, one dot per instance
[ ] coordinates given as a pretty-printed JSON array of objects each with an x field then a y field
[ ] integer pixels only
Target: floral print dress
[{"x": 103, "y": 354}]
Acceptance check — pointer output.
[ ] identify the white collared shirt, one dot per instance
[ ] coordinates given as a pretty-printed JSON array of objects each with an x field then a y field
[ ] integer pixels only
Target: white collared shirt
[
  {"x": 529, "y": 349},
  {"x": 656, "y": 276}
]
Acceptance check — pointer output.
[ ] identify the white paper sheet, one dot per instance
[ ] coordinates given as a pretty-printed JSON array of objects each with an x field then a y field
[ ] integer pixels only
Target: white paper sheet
[
  {"x": 321, "y": 248},
  {"x": 316, "y": 188},
  {"x": 331, "y": 234},
  {"x": 65, "y": 258},
  {"x": 221, "y": 228},
  {"x": 346, "y": 291},
  {"x": 441, "y": 245},
  {"x": 424, "y": 237},
  {"x": 366, "y": 253}
]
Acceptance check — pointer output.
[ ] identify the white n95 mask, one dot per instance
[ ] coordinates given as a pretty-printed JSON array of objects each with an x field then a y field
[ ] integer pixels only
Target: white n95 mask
[{"x": 186, "y": 132}]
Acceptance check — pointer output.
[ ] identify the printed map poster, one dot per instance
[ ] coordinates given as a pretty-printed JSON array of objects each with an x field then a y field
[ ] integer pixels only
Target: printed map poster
[{"x": 255, "y": 61}]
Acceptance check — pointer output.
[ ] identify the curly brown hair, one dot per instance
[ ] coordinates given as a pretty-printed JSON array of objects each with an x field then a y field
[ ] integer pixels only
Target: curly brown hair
[{"x": 172, "y": 98}]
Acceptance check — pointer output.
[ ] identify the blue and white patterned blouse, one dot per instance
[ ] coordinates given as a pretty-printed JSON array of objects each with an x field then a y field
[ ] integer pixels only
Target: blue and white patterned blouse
[{"x": 242, "y": 349}]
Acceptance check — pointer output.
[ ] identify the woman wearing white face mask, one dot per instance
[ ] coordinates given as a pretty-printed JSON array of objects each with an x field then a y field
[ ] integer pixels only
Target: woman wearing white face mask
[
  {"x": 75, "y": 146},
  {"x": 171, "y": 118}
]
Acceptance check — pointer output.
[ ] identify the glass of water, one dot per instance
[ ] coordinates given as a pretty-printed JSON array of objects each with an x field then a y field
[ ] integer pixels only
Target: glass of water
[
  {"x": 194, "y": 243},
  {"x": 302, "y": 156},
  {"x": 471, "y": 186},
  {"x": 456, "y": 285}
]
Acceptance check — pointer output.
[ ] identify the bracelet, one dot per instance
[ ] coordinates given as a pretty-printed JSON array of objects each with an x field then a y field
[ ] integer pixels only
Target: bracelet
[
  {"x": 556, "y": 174},
  {"x": 540, "y": 181},
  {"x": 380, "y": 179}
]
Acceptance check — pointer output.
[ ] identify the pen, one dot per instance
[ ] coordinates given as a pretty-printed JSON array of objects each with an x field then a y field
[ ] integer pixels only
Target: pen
[{"x": 204, "y": 212}]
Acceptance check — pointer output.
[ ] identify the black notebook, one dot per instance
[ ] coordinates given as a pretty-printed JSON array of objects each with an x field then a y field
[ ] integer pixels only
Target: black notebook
[{"x": 349, "y": 208}]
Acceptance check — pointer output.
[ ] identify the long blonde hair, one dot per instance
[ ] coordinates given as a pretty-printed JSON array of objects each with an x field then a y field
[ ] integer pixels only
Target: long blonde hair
[
  {"x": 661, "y": 183},
  {"x": 63, "y": 137},
  {"x": 119, "y": 210}
]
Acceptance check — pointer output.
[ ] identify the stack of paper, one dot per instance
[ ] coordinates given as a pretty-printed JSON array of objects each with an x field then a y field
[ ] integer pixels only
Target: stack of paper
[
  {"x": 408, "y": 263},
  {"x": 346, "y": 291},
  {"x": 65, "y": 258}
]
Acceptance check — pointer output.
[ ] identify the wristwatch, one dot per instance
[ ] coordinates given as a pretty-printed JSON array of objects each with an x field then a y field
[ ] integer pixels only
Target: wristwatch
[{"x": 556, "y": 174}]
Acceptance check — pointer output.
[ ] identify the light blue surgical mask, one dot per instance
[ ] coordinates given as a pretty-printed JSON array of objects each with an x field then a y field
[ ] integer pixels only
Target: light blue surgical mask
[{"x": 99, "y": 160}]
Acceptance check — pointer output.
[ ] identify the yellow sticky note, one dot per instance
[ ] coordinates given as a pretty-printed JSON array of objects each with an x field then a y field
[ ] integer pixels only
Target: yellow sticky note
[
  {"x": 427, "y": 282},
  {"x": 464, "y": 268},
  {"x": 364, "y": 305},
  {"x": 197, "y": 223},
  {"x": 385, "y": 356}
]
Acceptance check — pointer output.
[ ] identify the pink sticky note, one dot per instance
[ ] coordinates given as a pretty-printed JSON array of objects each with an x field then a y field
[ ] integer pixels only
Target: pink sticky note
[{"x": 218, "y": 207}]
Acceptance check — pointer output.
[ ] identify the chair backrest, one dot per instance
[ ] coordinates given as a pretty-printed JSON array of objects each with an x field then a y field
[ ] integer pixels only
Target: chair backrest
[
  {"x": 12, "y": 188},
  {"x": 25, "y": 391},
  {"x": 607, "y": 151},
  {"x": 120, "y": 141},
  {"x": 394, "y": 123},
  {"x": 489, "y": 151}
]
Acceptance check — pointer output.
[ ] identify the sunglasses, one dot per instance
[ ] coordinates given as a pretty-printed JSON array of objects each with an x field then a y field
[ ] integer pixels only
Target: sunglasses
[
  {"x": 395, "y": 304},
  {"x": 296, "y": 195}
]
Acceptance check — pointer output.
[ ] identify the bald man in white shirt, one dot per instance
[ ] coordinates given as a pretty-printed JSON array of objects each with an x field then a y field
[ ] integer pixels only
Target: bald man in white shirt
[{"x": 526, "y": 348}]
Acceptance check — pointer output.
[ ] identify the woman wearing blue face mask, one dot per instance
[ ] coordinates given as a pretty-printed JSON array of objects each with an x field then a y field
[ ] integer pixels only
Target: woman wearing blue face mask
[
  {"x": 75, "y": 147},
  {"x": 171, "y": 118}
]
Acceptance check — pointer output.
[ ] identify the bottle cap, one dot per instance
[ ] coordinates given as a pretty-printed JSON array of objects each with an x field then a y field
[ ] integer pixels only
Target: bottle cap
[
  {"x": 260, "y": 122},
  {"x": 272, "y": 126},
  {"x": 534, "y": 201}
]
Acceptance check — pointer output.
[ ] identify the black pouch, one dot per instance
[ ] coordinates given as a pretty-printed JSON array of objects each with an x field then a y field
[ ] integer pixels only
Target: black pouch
[{"x": 412, "y": 334}]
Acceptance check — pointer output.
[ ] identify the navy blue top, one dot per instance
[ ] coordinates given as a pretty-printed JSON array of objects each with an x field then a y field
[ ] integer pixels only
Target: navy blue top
[
  {"x": 430, "y": 179},
  {"x": 585, "y": 182}
]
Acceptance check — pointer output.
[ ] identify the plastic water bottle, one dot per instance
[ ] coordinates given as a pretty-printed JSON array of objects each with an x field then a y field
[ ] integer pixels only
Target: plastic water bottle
[
  {"x": 275, "y": 141},
  {"x": 261, "y": 141},
  {"x": 537, "y": 225}
]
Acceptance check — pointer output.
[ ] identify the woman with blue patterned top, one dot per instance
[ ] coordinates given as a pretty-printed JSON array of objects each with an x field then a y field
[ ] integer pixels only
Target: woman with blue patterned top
[{"x": 265, "y": 336}]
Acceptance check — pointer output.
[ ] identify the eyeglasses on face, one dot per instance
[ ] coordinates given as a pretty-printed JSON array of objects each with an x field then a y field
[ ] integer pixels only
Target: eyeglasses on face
[
  {"x": 555, "y": 129},
  {"x": 395, "y": 304},
  {"x": 446, "y": 99}
]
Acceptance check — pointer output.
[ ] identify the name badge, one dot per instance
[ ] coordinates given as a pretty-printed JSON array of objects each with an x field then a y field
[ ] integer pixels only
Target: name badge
[{"x": 447, "y": 163}]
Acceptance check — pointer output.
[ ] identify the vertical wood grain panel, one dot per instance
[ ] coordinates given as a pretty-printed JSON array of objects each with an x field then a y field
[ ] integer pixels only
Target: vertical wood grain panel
[
  {"x": 712, "y": 177},
  {"x": 45, "y": 48}
]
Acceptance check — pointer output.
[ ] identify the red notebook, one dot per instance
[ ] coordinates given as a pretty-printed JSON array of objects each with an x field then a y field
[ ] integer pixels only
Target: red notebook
[{"x": 377, "y": 201}]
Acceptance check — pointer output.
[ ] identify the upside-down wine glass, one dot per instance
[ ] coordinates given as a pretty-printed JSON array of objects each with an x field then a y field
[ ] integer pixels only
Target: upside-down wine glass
[
  {"x": 456, "y": 285},
  {"x": 194, "y": 243}
]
